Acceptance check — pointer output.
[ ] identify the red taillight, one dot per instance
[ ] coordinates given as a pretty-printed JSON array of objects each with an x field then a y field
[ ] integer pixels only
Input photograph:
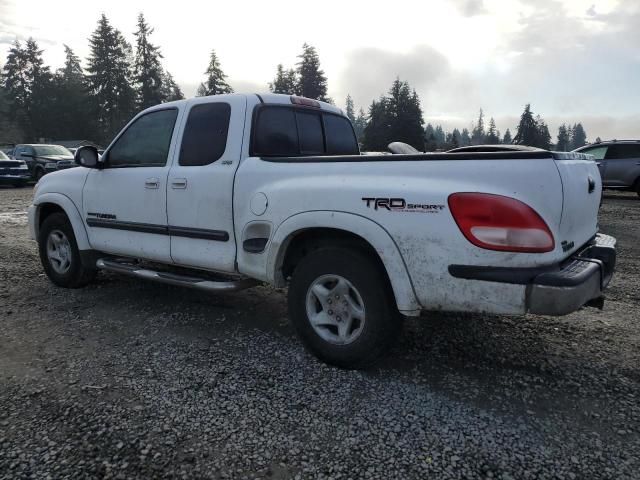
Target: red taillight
[
  {"x": 500, "y": 223},
  {"x": 307, "y": 102}
]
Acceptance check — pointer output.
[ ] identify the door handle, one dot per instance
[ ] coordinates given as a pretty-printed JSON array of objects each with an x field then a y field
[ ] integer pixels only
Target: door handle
[
  {"x": 151, "y": 183},
  {"x": 179, "y": 183}
]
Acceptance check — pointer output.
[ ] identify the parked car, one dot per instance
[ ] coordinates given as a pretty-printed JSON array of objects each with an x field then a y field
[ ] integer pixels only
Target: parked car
[
  {"x": 42, "y": 159},
  {"x": 618, "y": 161},
  {"x": 13, "y": 172},
  {"x": 239, "y": 189}
]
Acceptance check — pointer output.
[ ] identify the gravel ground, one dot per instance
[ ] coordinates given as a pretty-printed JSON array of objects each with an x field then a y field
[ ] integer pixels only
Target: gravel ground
[{"x": 125, "y": 379}]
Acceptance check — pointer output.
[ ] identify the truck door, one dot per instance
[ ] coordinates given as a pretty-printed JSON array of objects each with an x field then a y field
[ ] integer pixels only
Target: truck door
[
  {"x": 200, "y": 187},
  {"x": 124, "y": 204}
]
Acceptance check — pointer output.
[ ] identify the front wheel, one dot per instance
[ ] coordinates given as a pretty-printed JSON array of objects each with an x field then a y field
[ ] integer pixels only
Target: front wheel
[
  {"x": 341, "y": 305},
  {"x": 59, "y": 253},
  {"x": 38, "y": 174}
]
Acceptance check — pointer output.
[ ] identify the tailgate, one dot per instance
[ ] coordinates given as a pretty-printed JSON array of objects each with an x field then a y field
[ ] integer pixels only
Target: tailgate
[{"x": 581, "y": 189}]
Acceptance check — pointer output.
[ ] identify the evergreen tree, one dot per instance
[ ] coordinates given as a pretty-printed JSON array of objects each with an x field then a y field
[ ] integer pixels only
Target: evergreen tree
[
  {"x": 350, "y": 109},
  {"x": 465, "y": 138},
  {"x": 544, "y": 137},
  {"x": 170, "y": 89},
  {"x": 598, "y": 140},
  {"x": 10, "y": 131},
  {"x": 507, "y": 137},
  {"x": 440, "y": 137},
  {"x": 430, "y": 142},
  {"x": 285, "y": 81},
  {"x": 563, "y": 144},
  {"x": 579, "y": 136},
  {"x": 377, "y": 133},
  {"x": 359, "y": 125},
  {"x": 493, "y": 136},
  {"x": 456, "y": 138},
  {"x": 312, "y": 83},
  {"x": 527, "y": 132},
  {"x": 29, "y": 87},
  {"x": 73, "y": 119},
  {"x": 216, "y": 83},
  {"x": 109, "y": 67},
  {"x": 478, "y": 133},
  {"x": 148, "y": 74}
]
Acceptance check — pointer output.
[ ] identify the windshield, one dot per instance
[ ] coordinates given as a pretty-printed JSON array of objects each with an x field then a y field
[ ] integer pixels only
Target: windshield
[
  {"x": 3, "y": 156},
  {"x": 52, "y": 150}
]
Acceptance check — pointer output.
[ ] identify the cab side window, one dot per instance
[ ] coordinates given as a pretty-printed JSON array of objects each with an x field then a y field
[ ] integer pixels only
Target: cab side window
[
  {"x": 205, "y": 135},
  {"x": 146, "y": 142}
]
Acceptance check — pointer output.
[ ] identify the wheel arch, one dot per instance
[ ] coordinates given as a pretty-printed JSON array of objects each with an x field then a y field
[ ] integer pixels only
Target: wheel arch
[
  {"x": 320, "y": 228},
  {"x": 49, "y": 203}
]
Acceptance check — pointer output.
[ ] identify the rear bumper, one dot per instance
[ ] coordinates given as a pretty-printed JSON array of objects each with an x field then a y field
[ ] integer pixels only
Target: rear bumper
[{"x": 559, "y": 289}]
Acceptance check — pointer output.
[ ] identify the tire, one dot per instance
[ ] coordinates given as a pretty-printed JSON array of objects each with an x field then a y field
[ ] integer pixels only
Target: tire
[
  {"x": 56, "y": 235},
  {"x": 343, "y": 339},
  {"x": 38, "y": 174},
  {"x": 20, "y": 184}
]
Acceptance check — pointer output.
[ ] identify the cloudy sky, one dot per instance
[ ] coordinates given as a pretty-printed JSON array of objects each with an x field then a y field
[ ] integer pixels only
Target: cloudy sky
[{"x": 573, "y": 60}]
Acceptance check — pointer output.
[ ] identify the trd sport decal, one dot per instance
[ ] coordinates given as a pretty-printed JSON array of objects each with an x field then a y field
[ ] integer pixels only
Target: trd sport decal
[{"x": 401, "y": 205}]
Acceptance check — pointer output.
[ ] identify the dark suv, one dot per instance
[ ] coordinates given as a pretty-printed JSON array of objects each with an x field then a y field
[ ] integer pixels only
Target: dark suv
[
  {"x": 43, "y": 159},
  {"x": 618, "y": 161}
]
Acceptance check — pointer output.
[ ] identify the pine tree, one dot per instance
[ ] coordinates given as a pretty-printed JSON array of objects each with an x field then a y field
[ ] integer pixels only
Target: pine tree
[
  {"x": 350, "y": 109},
  {"x": 170, "y": 89},
  {"x": 109, "y": 67},
  {"x": 456, "y": 138},
  {"x": 215, "y": 83},
  {"x": 147, "y": 67},
  {"x": 28, "y": 84},
  {"x": 527, "y": 132},
  {"x": 359, "y": 125},
  {"x": 544, "y": 137},
  {"x": 73, "y": 119},
  {"x": 563, "y": 144},
  {"x": 377, "y": 133},
  {"x": 312, "y": 82},
  {"x": 285, "y": 81},
  {"x": 579, "y": 136},
  {"x": 430, "y": 143},
  {"x": 507, "y": 137},
  {"x": 465, "y": 138},
  {"x": 440, "y": 137},
  {"x": 478, "y": 133},
  {"x": 493, "y": 136}
]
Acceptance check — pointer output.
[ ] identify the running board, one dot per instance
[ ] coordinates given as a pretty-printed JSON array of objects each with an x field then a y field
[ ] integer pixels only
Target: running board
[{"x": 175, "y": 279}]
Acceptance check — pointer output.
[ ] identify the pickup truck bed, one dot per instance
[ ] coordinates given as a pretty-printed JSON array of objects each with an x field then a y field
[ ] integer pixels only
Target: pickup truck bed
[{"x": 271, "y": 188}]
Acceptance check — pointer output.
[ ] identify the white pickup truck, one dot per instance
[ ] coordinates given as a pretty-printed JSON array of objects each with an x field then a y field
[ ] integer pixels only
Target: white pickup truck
[{"x": 219, "y": 193}]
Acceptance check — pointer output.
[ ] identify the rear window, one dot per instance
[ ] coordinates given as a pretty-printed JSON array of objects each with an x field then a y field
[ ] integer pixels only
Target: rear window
[
  {"x": 340, "y": 138},
  {"x": 205, "y": 135},
  {"x": 287, "y": 131},
  {"x": 623, "y": 151}
]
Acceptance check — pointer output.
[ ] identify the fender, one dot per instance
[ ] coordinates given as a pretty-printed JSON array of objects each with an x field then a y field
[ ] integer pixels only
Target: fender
[
  {"x": 72, "y": 213},
  {"x": 369, "y": 230}
]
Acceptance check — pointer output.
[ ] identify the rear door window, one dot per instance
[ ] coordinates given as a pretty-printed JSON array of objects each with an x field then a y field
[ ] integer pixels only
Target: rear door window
[
  {"x": 623, "y": 151},
  {"x": 205, "y": 135}
]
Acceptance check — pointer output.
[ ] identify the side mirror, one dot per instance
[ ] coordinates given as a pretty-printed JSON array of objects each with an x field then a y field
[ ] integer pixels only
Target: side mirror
[{"x": 87, "y": 156}]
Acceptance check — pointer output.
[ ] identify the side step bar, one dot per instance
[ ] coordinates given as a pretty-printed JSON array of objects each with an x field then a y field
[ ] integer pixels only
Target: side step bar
[{"x": 175, "y": 279}]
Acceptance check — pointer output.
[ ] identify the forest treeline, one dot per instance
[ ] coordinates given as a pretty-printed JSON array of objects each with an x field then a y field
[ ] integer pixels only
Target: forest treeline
[{"x": 93, "y": 103}]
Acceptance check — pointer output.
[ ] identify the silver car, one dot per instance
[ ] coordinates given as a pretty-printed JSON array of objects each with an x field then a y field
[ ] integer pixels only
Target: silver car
[{"x": 618, "y": 161}]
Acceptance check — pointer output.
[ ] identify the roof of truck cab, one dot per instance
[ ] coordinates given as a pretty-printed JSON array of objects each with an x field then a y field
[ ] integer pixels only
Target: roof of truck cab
[{"x": 264, "y": 98}]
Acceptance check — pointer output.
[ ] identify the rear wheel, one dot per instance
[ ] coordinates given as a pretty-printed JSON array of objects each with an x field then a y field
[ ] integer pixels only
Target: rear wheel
[
  {"x": 59, "y": 253},
  {"x": 342, "y": 307}
]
